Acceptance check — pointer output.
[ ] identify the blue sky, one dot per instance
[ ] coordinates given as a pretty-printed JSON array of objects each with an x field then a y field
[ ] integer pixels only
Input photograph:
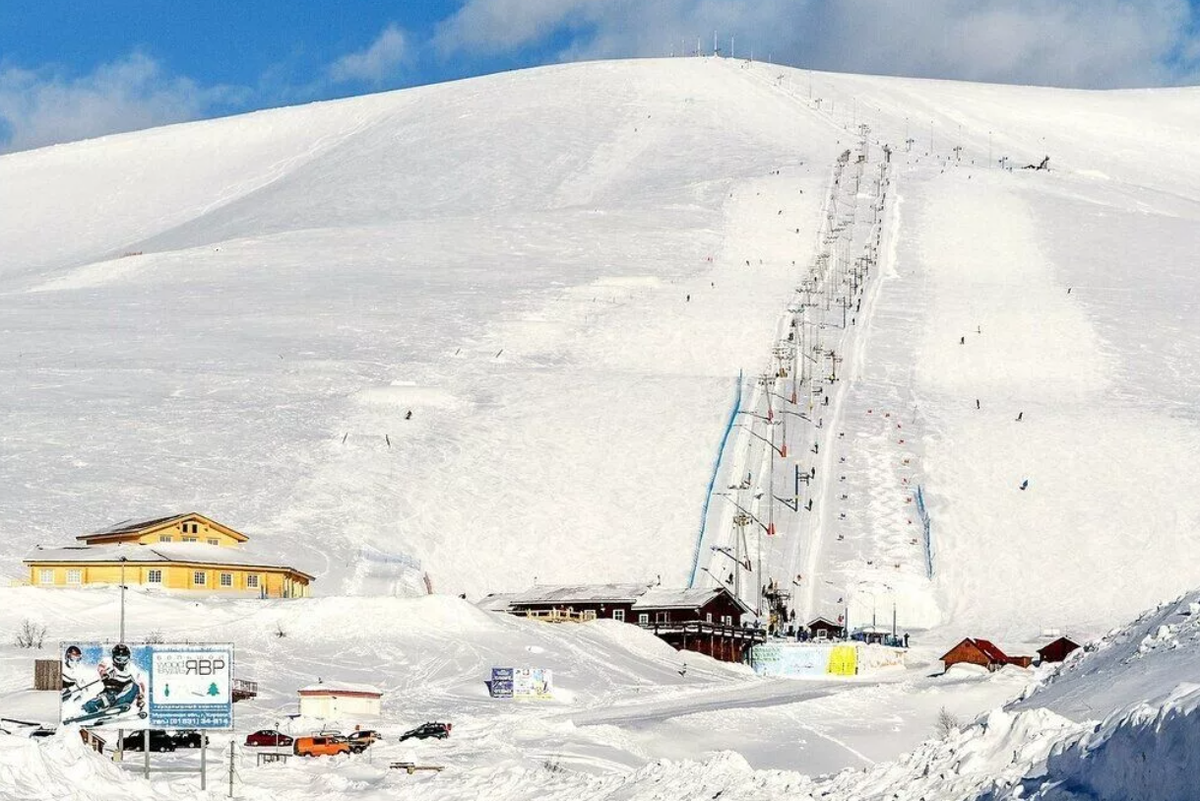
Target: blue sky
[{"x": 70, "y": 70}]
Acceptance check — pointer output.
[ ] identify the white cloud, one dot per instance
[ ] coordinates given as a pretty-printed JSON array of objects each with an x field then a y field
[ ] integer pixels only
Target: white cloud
[
  {"x": 42, "y": 107},
  {"x": 1087, "y": 43},
  {"x": 375, "y": 64}
]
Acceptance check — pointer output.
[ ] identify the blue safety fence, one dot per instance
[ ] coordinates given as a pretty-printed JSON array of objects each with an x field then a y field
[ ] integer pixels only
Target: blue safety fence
[
  {"x": 927, "y": 529},
  {"x": 712, "y": 482}
]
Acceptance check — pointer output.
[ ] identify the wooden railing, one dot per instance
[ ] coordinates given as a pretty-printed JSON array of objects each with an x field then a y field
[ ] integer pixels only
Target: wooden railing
[{"x": 560, "y": 615}]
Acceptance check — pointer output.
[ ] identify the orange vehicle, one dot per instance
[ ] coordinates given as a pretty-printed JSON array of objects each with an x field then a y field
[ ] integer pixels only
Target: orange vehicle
[{"x": 320, "y": 746}]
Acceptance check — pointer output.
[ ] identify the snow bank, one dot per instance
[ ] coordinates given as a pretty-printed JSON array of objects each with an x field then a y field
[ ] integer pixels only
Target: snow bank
[
  {"x": 63, "y": 767},
  {"x": 1129, "y": 664}
]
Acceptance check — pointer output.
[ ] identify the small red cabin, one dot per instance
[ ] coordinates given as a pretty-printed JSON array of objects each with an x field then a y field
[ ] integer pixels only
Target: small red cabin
[{"x": 1057, "y": 651}]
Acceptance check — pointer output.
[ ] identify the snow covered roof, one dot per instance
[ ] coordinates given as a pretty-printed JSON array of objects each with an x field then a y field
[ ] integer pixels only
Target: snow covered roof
[
  {"x": 132, "y": 526},
  {"x": 990, "y": 650},
  {"x": 497, "y": 601},
  {"x": 340, "y": 688},
  {"x": 641, "y": 596},
  {"x": 578, "y": 593},
  {"x": 190, "y": 552},
  {"x": 824, "y": 620},
  {"x": 660, "y": 598}
]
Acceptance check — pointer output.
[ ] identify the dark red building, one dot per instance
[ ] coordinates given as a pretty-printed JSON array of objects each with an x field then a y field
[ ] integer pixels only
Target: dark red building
[
  {"x": 1057, "y": 651},
  {"x": 707, "y": 620}
]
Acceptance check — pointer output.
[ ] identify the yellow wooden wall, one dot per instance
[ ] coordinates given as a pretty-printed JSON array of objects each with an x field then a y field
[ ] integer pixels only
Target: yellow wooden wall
[
  {"x": 278, "y": 583},
  {"x": 203, "y": 534}
]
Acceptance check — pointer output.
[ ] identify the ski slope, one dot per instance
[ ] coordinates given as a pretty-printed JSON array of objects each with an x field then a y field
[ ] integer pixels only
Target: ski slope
[{"x": 561, "y": 273}]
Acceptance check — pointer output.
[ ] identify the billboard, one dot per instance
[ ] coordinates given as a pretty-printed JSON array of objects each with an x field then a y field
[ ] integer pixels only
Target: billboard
[
  {"x": 501, "y": 685},
  {"x": 522, "y": 683},
  {"x": 154, "y": 686},
  {"x": 533, "y": 683}
]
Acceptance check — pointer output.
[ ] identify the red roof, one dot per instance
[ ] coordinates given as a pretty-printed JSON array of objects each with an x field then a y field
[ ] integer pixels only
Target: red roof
[{"x": 989, "y": 649}]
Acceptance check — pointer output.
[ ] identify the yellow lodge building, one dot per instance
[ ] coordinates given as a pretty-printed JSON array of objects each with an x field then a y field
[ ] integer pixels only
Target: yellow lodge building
[{"x": 180, "y": 552}]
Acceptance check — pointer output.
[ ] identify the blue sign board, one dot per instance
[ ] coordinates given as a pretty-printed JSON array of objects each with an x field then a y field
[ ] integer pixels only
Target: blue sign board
[{"x": 501, "y": 685}]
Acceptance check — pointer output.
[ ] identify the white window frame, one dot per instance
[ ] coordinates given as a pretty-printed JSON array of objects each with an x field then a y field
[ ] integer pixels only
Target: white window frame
[
  {"x": 46, "y": 576},
  {"x": 202, "y": 575},
  {"x": 708, "y": 617},
  {"x": 643, "y": 619},
  {"x": 75, "y": 576},
  {"x": 619, "y": 614},
  {"x": 213, "y": 541},
  {"x": 662, "y": 618},
  {"x": 226, "y": 580},
  {"x": 165, "y": 538},
  {"x": 252, "y": 581},
  {"x": 151, "y": 573}
]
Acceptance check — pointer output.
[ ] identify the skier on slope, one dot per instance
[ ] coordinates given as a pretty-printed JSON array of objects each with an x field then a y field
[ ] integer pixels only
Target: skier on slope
[
  {"x": 73, "y": 676},
  {"x": 123, "y": 685}
]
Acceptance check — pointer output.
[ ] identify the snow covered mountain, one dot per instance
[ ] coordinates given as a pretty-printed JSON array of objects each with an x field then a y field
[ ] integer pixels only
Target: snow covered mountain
[{"x": 561, "y": 274}]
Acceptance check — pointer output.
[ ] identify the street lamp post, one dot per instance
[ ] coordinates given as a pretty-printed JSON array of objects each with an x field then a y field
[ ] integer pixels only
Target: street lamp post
[{"x": 122, "y": 634}]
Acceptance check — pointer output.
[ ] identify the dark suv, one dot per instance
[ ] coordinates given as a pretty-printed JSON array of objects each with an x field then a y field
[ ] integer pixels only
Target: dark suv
[
  {"x": 159, "y": 741},
  {"x": 190, "y": 738},
  {"x": 359, "y": 740},
  {"x": 439, "y": 731}
]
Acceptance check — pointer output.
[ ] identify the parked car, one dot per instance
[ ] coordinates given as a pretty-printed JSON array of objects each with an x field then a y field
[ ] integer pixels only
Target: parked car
[
  {"x": 321, "y": 746},
  {"x": 159, "y": 741},
  {"x": 437, "y": 730},
  {"x": 361, "y": 739},
  {"x": 190, "y": 738},
  {"x": 268, "y": 737}
]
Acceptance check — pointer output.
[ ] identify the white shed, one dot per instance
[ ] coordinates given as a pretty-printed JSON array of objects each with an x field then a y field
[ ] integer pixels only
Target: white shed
[{"x": 339, "y": 700}]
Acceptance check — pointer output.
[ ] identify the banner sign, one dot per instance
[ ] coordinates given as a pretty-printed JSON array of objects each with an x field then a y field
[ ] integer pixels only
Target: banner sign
[
  {"x": 522, "y": 683},
  {"x": 533, "y": 683},
  {"x": 501, "y": 685},
  {"x": 155, "y": 686}
]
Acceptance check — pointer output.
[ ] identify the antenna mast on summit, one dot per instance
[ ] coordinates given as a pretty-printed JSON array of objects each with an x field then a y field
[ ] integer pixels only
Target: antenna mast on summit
[{"x": 714, "y": 43}]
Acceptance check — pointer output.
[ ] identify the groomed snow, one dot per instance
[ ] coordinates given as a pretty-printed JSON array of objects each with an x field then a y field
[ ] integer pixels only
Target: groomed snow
[{"x": 560, "y": 274}]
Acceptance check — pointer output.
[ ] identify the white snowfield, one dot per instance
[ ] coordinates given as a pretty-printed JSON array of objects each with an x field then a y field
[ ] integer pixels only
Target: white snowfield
[{"x": 490, "y": 332}]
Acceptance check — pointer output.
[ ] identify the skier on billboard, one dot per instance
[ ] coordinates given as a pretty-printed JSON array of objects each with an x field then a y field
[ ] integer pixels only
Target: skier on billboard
[
  {"x": 123, "y": 686},
  {"x": 74, "y": 678}
]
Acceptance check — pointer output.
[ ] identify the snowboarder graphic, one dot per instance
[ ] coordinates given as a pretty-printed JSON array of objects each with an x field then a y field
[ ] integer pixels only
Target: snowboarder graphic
[{"x": 122, "y": 686}]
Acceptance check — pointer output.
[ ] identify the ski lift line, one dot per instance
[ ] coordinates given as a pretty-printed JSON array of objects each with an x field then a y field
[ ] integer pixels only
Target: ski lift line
[
  {"x": 820, "y": 284},
  {"x": 712, "y": 481}
]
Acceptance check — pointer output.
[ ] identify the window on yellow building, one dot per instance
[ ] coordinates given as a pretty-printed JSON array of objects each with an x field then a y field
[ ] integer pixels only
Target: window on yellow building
[
  {"x": 74, "y": 576},
  {"x": 252, "y": 582},
  {"x": 165, "y": 538},
  {"x": 213, "y": 541},
  {"x": 189, "y": 539},
  {"x": 199, "y": 578},
  {"x": 154, "y": 576},
  {"x": 226, "y": 579},
  {"x": 45, "y": 577}
]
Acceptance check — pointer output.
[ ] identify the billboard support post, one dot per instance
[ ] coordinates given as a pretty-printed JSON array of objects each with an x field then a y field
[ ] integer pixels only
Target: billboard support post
[
  {"x": 203, "y": 761},
  {"x": 146, "y": 754}
]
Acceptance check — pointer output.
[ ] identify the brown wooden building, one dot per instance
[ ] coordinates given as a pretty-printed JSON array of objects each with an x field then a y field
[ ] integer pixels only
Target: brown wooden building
[
  {"x": 1057, "y": 651},
  {"x": 983, "y": 653},
  {"x": 821, "y": 628},
  {"x": 706, "y": 620}
]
